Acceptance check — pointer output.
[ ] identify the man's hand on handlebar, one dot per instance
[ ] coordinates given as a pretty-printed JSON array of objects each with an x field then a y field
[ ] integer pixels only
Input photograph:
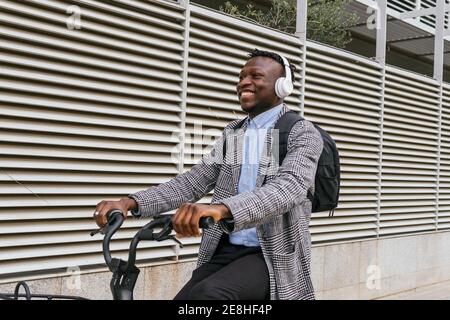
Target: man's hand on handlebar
[
  {"x": 186, "y": 220},
  {"x": 104, "y": 207}
]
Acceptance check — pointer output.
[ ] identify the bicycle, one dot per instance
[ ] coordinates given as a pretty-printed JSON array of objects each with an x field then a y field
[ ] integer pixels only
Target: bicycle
[{"x": 125, "y": 273}]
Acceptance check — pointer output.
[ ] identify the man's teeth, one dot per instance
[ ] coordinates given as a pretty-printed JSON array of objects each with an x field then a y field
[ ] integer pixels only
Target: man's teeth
[{"x": 247, "y": 93}]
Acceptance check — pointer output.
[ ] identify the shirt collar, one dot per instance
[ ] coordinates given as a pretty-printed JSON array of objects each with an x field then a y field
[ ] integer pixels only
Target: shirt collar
[{"x": 267, "y": 116}]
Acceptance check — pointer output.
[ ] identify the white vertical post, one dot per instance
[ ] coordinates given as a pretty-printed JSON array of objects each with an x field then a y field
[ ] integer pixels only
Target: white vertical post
[
  {"x": 302, "y": 17},
  {"x": 381, "y": 31},
  {"x": 438, "y": 68},
  {"x": 187, "y": 12},
  {"x": 418, "y": 7},
  {"x": 381, "y": 58},
  {"x": 439, "y": 156},
  {"x": 300, "y": 32}
]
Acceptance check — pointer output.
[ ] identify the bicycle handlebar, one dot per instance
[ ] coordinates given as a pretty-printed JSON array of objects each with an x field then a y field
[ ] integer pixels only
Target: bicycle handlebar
[{"x": 115, "y": 220}]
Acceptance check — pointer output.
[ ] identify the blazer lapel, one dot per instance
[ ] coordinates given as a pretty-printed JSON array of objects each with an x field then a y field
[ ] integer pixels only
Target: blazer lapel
[{"x": 235, "y": 142}]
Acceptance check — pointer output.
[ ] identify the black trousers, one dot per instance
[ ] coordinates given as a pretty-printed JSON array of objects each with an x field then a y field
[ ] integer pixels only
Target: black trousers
[{"x": 234, "y": 273}]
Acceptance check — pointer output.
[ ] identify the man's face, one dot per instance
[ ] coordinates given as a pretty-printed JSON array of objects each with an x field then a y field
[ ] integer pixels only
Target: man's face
[{"x": 256, "y": 86}]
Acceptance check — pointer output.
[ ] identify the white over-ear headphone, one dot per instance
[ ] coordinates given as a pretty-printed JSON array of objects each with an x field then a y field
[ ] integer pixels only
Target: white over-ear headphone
[{"x": 284, "y": 85}]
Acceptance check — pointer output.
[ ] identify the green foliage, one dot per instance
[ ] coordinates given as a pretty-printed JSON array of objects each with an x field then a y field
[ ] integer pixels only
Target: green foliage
[{"x": 328, "y": 22}]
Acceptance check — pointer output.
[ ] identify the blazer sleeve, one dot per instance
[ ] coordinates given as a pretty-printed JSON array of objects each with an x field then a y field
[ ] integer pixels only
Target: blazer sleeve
[
  {"x": 287, "y": 189},
  {"x": 186, "y": 187}
]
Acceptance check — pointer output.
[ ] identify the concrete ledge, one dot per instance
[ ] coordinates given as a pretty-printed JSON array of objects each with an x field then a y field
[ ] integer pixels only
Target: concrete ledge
[{"x": 364, "y": 269}]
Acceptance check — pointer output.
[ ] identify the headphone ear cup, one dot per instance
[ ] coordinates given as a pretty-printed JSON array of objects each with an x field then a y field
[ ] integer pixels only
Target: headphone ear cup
[
  {"x": 279, "y": 87},
  {"x": 283, "y": 87},
  {"x": 288, "y": 86}
]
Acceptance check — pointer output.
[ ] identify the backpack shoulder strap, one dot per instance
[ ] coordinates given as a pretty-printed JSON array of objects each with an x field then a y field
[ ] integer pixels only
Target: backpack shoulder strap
[{"x": 284, "y": 126}]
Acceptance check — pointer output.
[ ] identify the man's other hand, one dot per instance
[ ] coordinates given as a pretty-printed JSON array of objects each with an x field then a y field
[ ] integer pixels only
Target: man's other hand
[{"x": 186, "y": 219}]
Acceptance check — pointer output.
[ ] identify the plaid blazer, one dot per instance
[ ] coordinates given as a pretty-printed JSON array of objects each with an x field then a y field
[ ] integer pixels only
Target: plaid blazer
[{"x": 277, "y": 207}]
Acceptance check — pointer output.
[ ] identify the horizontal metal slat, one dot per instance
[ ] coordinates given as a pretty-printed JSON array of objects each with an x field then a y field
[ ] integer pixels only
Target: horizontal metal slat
[
  {"x": 324, "y": 58},
  {"x": 357, "y": 205},
  {"x": 356, "y": 134},
  {"x": 341, "y": 81},
  {"x": 53, "y": 82},
  {"x": 405, "y": 94},
  {"x": 85, "y": 142},
  {"x": 28, "y": 24},
  {"x": 97, "y": 165},
  {"x": 91, "y": 25},
  {"x": 356, "y": 156},
  {"x": 405, "y": 230},
  {"x": 410, "y": 203},
  {"x": 165, "y": 9},
  {"x": 113, "y": 15},
  {"x": 16, "y": 116},
  {"x": 254, "y": 34},
  {"x": 388, "y": 195},
  {"x": 213, "y": 77},
  {"x": 342, "y": 228},
  {"x": 80, "y": 153},
  {"x": 311, "y": 95},
  {"x": 41, "y": 189},
  {"x": 81, "y": 118},
  {"x": 325, "y": 90},
  {"x": 341, "y": 70},
  {"x": 405, "y": 175},
  {"x": 45, "y": 40},
  {"x": 428, "y": 85},
  {"x": 199, "y": 83},
  {"x": 148, "y": 67},
  {"x": 339, "y": 219},
  {"x": 371, "y": 113},
  {"x": 365, "y": 146},
  {"x": 392, "y": 105},
  {"x": 77, "y": 75},
  {"x": 78, "y": 177},
  {"x": 405, "y": 118},
  {"x": 392, "y": 129},
  {"x": 63, "y": 262},
  {"x": 396, "y": 150},
  {"x": 405, "y": 211},
  {"x": 342, "y": 235},
  {"x": 407, "y": 144},
  {"x": 356, "y": 120}
]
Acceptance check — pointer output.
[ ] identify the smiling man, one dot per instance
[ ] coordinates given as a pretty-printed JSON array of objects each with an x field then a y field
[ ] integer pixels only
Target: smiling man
[{"x": 260, "y": 247}]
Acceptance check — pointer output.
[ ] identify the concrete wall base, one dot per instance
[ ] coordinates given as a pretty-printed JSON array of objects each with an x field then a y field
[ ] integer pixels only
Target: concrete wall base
[{"x": 366, "y": 269}]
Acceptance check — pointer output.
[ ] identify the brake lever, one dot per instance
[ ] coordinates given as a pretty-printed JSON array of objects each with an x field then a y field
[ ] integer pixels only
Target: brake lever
[
  {"x": 110, "y": 220},
  {"x": 171, "y": 237},
  {"x": 101, "y": 231},
  {"x": 164, "y": 234}
]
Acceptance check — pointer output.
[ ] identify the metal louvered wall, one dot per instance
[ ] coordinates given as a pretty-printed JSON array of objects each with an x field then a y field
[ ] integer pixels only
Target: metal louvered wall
[
  {"x": 410, "y": 153},
  {"x": 96, "y": 113},
  {"x": 85, "y": 115},
  {"x": 444, "y": 172},
  {"x": 343, "y": 95}
]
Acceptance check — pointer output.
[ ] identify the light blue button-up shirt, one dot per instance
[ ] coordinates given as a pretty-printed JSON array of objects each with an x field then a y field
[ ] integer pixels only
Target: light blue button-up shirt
[{"x": 254, "y": 140}]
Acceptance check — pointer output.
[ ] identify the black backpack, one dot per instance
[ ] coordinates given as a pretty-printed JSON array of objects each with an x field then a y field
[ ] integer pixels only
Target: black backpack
[{"x": 328, "y": 174}]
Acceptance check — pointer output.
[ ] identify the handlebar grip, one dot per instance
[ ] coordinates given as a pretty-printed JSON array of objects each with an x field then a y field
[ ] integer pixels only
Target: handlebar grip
[
  {"x": 111, "y": 216},
  {"x": 206, "y": 222}
]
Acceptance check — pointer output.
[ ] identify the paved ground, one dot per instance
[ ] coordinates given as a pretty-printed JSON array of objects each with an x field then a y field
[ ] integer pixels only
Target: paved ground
[{"x": 439, "y": 291}]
